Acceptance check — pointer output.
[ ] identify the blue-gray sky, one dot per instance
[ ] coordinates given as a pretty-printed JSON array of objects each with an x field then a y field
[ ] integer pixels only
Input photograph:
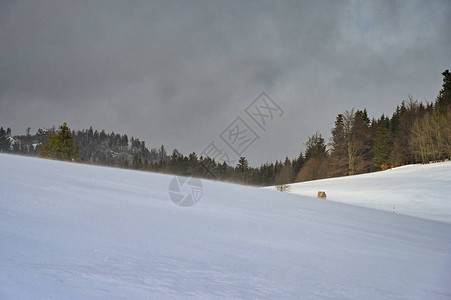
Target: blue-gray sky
[{"x": 178, "y": 72}]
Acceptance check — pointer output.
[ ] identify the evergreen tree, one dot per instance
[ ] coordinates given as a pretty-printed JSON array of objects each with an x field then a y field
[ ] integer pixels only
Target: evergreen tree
[
  {"x": 339, "y": 149},
  {"x": 443, "y": 101},
  {"x": 163, "y": 157},
  {"x": 401, "y": 152},
  {"x": 193, "y": 164},
  {"x": 4, "y": 144},
  {"x": 362, "y": 132},
  {"x": 382, "y": 146},
  {"x": 286, "y": 174},
  {"x": 315, "y": 147},
  {"x": 60, "y": 145},
  {"x": 137, "y": 162},
  {"x": 351, "y": 144},
  {"x": 243, "y": 165},
  {"x": 316, "y": 159},
  {"x": 124, "y": 142},
  {"x": 222, "y": 168},
  {"x": 298, "y": 163}
]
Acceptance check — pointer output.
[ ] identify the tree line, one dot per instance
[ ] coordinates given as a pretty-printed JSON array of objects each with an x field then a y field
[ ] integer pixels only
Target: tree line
[{"x": 415, "y": 133}]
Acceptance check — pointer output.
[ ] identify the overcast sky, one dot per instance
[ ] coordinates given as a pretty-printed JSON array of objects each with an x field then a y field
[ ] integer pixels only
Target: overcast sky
[{"x": 179, "y": 72}]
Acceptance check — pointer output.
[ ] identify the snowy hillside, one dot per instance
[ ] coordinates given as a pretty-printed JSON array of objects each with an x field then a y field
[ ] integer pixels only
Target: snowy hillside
[
  {"x": 418, "y": 190},
  {"x": 76, "y": 231}
]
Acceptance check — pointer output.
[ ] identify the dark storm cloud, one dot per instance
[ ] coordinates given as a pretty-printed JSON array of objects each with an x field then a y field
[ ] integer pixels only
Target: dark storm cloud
[{"x": 178, "y": 72}]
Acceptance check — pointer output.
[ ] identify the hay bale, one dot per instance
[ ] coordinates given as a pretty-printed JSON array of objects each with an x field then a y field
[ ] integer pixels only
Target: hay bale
[{"x": 321, "y": 195}]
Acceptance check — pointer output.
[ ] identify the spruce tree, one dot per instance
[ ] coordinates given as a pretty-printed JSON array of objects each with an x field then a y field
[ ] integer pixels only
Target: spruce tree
[
  {"x": 339, "y": 149},
  {"x": 382, "y": 146},
  {"x": 443, "y": 100},
  {"x": 298, "y": 164},
  {"x": 315, "y": 147},
  {"x": 242, "y": 165}
]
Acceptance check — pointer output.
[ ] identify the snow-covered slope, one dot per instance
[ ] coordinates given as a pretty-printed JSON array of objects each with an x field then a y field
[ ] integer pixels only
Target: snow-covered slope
[
  {"x": 417, "y": 190},
  {"x": 76, "y": 231}
]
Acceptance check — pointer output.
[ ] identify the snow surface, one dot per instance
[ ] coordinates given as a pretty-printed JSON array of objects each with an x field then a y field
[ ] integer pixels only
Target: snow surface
[
  {"x": 73, "y": 231},
  {"x": 417, "y": 190}
]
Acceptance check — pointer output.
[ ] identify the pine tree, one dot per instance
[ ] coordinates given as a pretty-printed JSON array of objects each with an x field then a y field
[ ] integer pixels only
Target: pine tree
[{"x": 60, "y": 145}]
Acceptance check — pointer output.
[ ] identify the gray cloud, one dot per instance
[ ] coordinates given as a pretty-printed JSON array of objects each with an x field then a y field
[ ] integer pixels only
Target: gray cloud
[{"x": 178, "y": 72}]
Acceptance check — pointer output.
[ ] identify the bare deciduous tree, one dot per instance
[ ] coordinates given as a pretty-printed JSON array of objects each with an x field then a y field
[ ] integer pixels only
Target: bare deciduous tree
[{"x": 431, "y": 136}]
